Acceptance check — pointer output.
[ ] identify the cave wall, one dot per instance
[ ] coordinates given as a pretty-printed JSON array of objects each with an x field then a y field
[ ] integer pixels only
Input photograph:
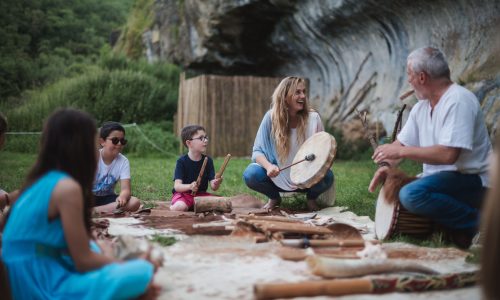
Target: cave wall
[{"x": 352, "y": 52}]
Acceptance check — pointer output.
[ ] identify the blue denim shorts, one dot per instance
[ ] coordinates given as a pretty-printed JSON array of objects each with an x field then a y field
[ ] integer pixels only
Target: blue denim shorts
[{"x": 103, "y": 200}]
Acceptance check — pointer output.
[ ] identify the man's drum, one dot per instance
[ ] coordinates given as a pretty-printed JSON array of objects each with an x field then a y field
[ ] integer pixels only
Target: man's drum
[
  {"x": 308, "y": 173},
  {"x": 393, "y": 218}
]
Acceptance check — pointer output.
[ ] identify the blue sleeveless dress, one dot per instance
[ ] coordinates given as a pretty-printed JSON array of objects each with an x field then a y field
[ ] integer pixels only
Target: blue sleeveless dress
[{"x": 35, "y": 253}]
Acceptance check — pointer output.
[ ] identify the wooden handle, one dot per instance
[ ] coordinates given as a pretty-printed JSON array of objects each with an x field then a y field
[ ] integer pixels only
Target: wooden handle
[
  {"x": 337, "y": 287},
  {"x": 289, "y": 166},
  {"x": 223, "y": 167},
  {"x": 198, "y": 181}
]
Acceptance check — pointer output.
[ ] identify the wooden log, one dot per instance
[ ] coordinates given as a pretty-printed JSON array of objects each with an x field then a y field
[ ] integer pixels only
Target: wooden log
[
  {"x": 312, "y": 288},
  {"x": 340, "y": 287},
  {"x": 212, "y": 203}
]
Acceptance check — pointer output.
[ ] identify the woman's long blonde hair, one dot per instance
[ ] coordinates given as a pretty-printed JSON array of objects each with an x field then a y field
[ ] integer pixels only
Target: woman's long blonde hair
[
  {"x": 279, "y": 116},
  {"x": 490, "y": 233}
]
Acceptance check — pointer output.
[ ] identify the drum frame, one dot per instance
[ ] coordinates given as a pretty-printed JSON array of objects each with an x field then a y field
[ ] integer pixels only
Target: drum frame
[{"x": 401, "y": 220}]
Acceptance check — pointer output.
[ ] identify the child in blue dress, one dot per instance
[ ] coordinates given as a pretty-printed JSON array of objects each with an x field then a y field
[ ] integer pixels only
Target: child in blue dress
[{"x": 46, "y": 243}]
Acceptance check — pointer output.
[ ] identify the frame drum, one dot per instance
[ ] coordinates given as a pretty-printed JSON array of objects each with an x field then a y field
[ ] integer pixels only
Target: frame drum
[
  {"x": 308, "y": 173},
  {"x": 393, "y": 218}
]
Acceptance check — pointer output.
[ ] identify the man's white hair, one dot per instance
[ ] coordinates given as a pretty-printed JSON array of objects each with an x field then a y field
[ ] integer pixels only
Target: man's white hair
[{"x": 429, "y": 60}]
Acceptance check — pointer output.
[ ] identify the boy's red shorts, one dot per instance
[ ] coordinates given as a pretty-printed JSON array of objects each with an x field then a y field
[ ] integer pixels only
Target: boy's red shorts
[{"x": 187, "y": 198}]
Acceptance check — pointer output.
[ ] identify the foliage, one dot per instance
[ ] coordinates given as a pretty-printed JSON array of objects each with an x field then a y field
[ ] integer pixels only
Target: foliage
[
  {"x": 146, "y": 138},
  {"x": 126, "y": 96},
  {"x": 164, "y": 241},
  {"x": 350, "y": 150},
  {"x": 139, "y": 20},
  {"x": 41, "y": 37},
  {"x": 22, "y": 143}
]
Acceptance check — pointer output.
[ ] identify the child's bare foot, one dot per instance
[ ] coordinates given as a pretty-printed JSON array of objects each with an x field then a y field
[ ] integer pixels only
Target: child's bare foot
[
  {"x": 272, "y": 204},
  {"x": 312, "y": 205}
]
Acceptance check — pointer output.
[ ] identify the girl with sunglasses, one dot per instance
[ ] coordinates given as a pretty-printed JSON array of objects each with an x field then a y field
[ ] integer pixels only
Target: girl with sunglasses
[{"x": 113, "y": 166}]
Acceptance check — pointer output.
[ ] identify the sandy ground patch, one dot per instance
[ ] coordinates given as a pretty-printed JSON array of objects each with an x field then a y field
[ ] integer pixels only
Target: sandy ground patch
[{"x": 225, "y": 267}]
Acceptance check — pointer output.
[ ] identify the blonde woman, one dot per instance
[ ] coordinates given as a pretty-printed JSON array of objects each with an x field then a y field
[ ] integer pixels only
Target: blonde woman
[{"x": 282, "y": 131}]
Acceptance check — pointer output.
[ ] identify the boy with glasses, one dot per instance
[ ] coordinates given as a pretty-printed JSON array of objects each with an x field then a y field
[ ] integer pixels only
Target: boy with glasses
[
  {"x": 113, "y": 166},
  {"x": 188, "y": 168}
]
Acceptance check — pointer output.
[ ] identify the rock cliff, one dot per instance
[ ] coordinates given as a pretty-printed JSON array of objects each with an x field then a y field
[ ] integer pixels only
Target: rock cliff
[{"x": 353, "y": 52}]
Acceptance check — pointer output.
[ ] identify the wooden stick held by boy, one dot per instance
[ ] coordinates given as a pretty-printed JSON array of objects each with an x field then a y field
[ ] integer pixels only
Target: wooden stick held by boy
[
  {"x": 200, "y": 176},
  {"x": 223, "y": 167}
]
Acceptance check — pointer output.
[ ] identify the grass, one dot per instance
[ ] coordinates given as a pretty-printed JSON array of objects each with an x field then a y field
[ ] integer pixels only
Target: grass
[
  {"x": 164, "y": 241},
  {"x": 152, "y": 180}
]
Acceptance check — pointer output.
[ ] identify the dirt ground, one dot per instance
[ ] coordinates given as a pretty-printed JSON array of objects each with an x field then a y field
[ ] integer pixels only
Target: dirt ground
[{"x": 207, "y": 262}]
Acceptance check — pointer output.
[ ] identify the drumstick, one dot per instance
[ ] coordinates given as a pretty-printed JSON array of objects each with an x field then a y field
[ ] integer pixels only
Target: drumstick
[
  {"x": 223, "y": 167},
  {"x": 198, "y": 181},
  {"x": 309, "y": 157},
  {"x": 406, "y": 94}
]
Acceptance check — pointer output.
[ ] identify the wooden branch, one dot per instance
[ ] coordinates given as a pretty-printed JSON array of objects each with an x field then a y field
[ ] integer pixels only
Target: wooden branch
[
  {"x": 360, "y": 96},
  {"x": 397, "y": 126},
  {"x": 223, "y": 167},
  {"x": 200, "y": 176},
  {"x": 369, "y": 134}
]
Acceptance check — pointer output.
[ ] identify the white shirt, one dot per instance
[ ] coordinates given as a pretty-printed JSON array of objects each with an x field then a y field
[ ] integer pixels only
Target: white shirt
[
  {"x": 283, "y": 180},
  {"x": 108, "y": 175},
  {"x": 457, "y": 121}
]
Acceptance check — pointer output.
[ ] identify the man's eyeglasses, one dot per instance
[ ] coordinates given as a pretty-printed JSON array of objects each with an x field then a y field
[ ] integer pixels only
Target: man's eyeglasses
[
  {"x": 115, "y": 141},
  {"x": 201, "y": 138}
]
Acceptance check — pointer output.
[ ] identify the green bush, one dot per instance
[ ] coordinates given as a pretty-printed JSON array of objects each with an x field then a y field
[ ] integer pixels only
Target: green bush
[
  {"x": 122, "y": 95},
  {"x": 145, "y": 138},
  {"x": 346, "y": 150},
  {"x": 40, "y": 38},
  {"x": 22, "y": 143}
]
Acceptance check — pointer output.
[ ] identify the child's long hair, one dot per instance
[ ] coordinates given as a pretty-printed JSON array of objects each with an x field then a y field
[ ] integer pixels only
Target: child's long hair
[
  {"x": 279, "y": 116},
  {"x": 490, "y": 233},
  {"x": 68, "y": 144}
]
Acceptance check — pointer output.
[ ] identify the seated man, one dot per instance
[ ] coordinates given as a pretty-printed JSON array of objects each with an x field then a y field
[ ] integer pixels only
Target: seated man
[{"x": 446, "y": 132}]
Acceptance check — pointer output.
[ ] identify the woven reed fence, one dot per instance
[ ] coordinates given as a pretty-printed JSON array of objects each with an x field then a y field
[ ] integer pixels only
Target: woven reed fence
[{"x": 229, "y": 107}]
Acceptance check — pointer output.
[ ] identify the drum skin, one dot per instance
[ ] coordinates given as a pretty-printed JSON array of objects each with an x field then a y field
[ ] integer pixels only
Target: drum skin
[
  {"x": 385, "y": 216},
  {"x": 308, "y": 173},
  {"x": 392, "y": 218}
]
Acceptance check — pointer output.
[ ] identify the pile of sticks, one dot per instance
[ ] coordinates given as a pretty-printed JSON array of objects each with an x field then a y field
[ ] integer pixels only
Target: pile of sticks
[{"x": 279, "y": 228}]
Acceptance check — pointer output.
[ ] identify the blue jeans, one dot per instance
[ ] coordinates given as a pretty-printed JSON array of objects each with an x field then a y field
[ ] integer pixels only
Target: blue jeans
[
  {"x": 449, "y": 198},
  {"x": 255, "y": 177}
]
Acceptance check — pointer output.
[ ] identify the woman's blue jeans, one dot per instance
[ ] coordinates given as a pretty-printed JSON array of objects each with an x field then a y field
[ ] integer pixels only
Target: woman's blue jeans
[
  {"x": 449, "y": 198},
  {"x": 255, "y": 177}
]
